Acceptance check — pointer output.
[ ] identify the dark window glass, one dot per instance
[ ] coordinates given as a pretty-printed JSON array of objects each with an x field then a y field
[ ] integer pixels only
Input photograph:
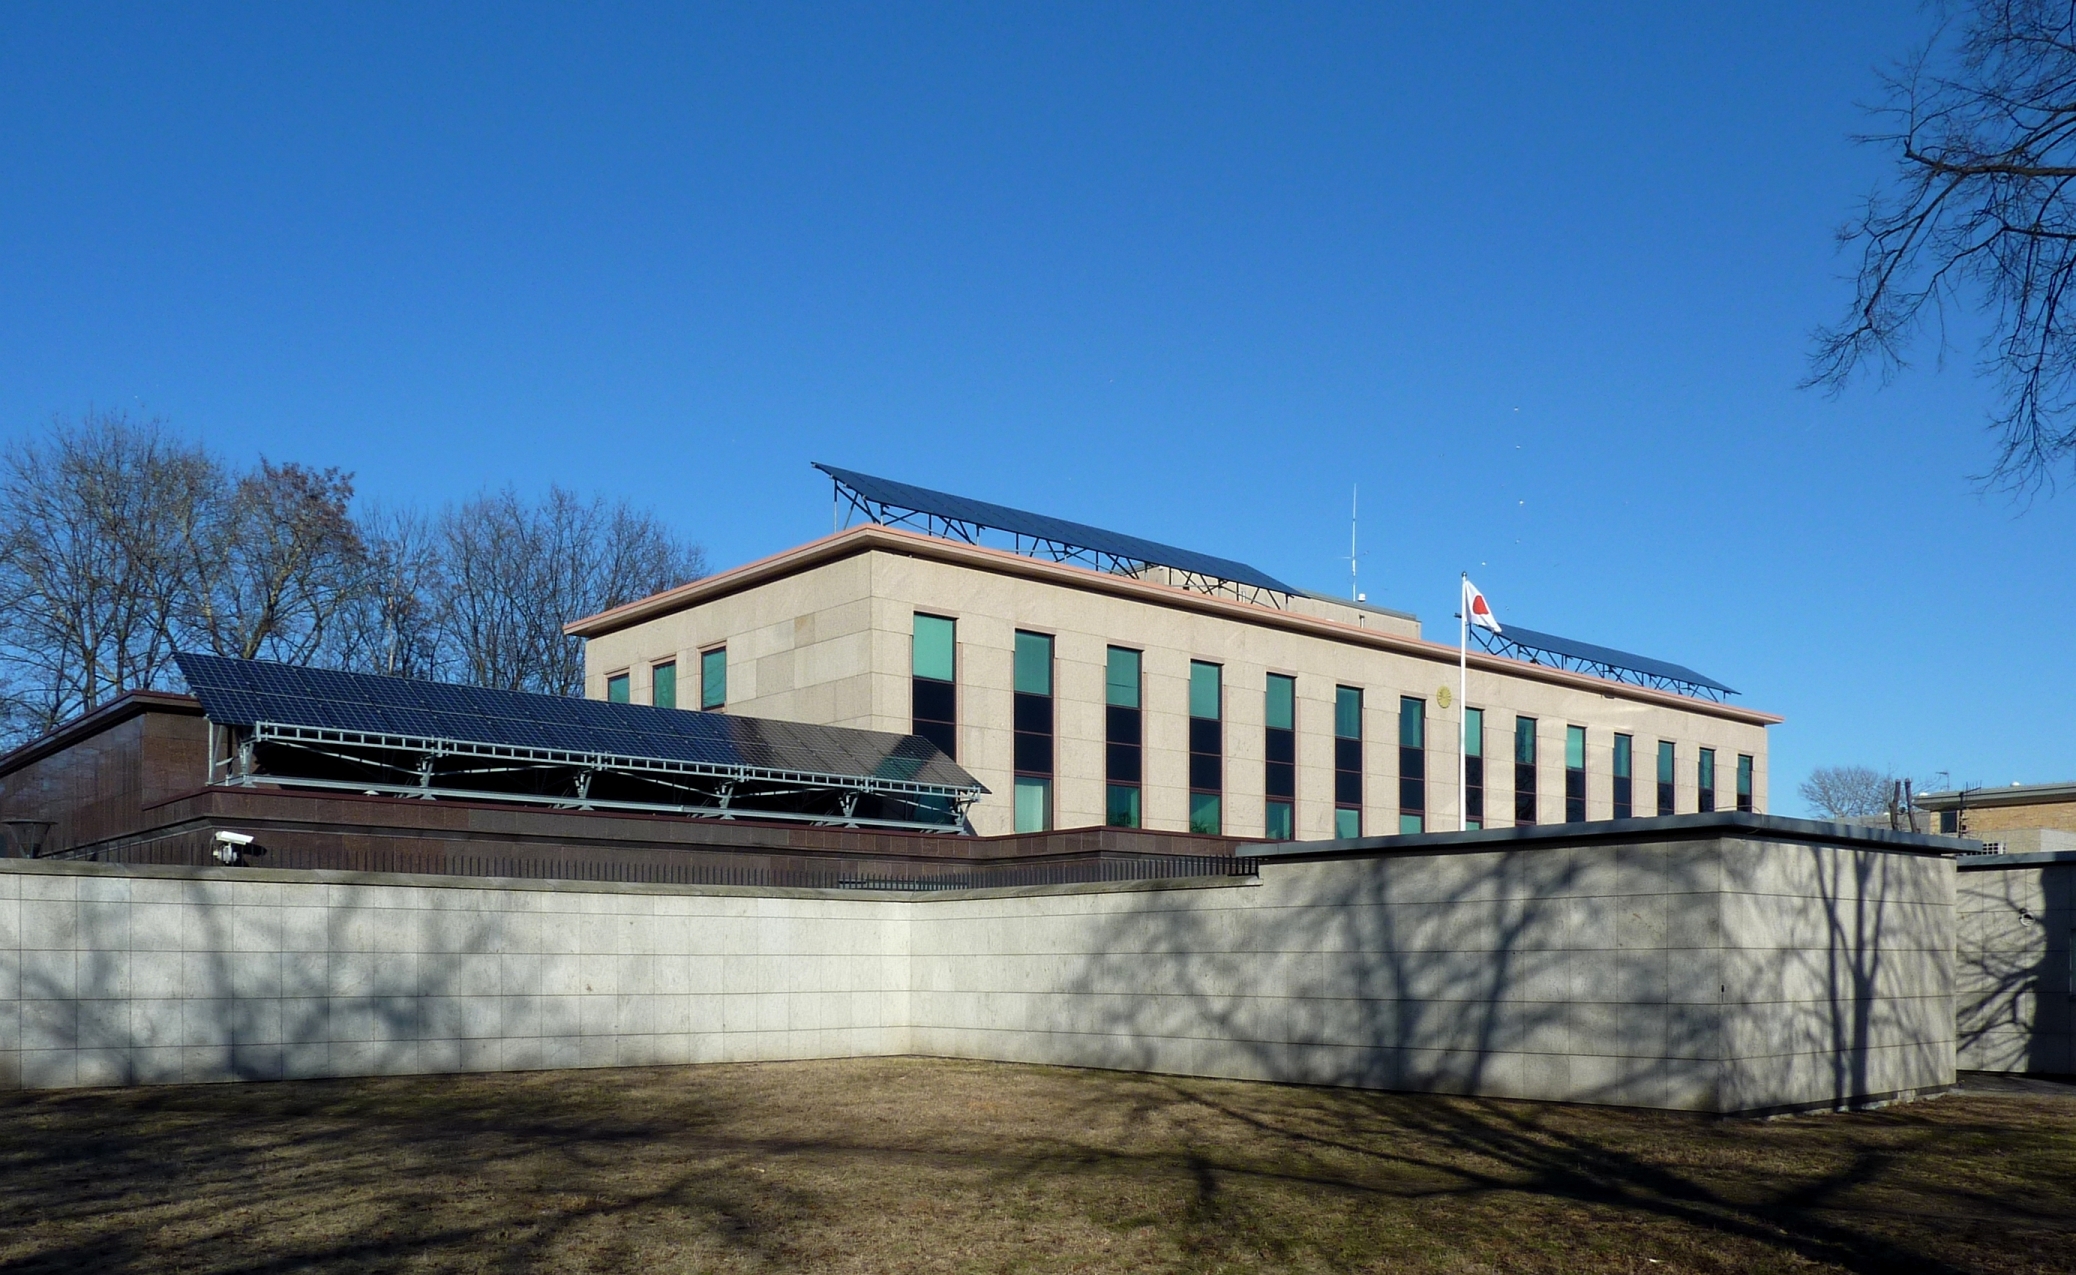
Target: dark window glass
[
  {"x": 1524, "y": 770},
  {"x": 663, "y": 685},
  {"x": 713, "y": 679},
  {"x": 1031, "y": 716},
  {"x": 1123, "y": 737},
  {"x": 1347, "y": 761},
  {"x": 1474, "y": 768},
  {"x": 1206, "y": 748},
  {"x": 1279, "y": 779},
  {"x": 1624, "y": 778},
  {"x": 1665, "y": 761},
  {"x": 616, "y": 689},
  {"x": 1412, "y": 764},
  {"x": 1574, "y": 774},
  {"x": 1705, "y": 781},
  {"x": 933, "y": 686},
  {"x": 1950, "y": 822},
  {"x": 1744, "y": 783},
  {"x": 1121, "y": 809}
]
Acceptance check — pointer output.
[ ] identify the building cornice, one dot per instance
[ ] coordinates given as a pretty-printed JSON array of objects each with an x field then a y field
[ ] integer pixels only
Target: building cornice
[
  {"x": 2016, "y": 795},
  {"x": 873, "y": 537}
]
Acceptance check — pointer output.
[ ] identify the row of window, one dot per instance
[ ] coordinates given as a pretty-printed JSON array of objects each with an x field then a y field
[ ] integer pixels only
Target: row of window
[
  {"x": 935, "y": 716},
  {"x": 663, "y": 682}
]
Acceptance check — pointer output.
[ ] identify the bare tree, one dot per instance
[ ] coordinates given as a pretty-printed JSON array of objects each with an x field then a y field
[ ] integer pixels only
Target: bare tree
[
  {"x": 1849, "y": 792},
  {"x": 518, "y": 571},
  {"x": 1981, "y": 215},
  {"x": 93, "y": 517},
  {"x": 395, "y": 616},
  {"x": 275, "y": 565}
]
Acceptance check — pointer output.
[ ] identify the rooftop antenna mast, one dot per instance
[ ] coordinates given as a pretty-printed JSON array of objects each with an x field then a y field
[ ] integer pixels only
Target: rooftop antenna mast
[{"x": 1354, "y": 491}]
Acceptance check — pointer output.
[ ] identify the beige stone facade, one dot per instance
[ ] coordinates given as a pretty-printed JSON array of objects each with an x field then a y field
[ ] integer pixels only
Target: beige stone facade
[{"x": 823, "y": 633}]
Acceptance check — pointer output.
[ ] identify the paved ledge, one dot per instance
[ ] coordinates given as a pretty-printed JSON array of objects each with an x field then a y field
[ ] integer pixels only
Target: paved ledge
[{"x": 1664, "y": 828}]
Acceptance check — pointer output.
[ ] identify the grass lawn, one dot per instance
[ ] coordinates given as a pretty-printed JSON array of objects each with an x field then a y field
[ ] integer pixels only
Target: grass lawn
[{"x": 921, "y": 1164}]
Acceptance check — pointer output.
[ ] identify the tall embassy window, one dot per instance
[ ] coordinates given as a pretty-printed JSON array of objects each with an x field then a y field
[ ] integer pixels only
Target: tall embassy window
[
  {"x": 1473, "y": 767},
  {"x": 663, "y": 685},
  {"x": 1625, "y": 747},
  {"x": 1279, "y": 822},
  {"x": 1705, "y": 780},
  {"x": 713, "y": 679},
  {"x": 1665, "y": 777},
  {"x": 616, "y": 689},
  {"x": 1524, "y": 771},
  {"x": 1123, "y": 738},
  {"x": 1574, "y": 774},
  {"x": 1206, "y": 748},
  {"x": 1033, "y": 720},
  {"x": 1744, "y": 783},
  {"x": 934, "y": 697},
  {"x": 1347, "y": 761},
  {"x": 1412, "y": 764}
]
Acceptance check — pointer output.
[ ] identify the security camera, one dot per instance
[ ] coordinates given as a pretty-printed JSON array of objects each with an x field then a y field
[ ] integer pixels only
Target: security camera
[{"x": 228, "y": 845}]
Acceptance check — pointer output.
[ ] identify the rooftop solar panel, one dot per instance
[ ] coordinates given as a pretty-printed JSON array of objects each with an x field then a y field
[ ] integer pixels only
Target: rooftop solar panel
[
  {"x": 1609, "y": 657},
  {"x": 1018, "y": 522},
  {"x": 248, "y": 692}
]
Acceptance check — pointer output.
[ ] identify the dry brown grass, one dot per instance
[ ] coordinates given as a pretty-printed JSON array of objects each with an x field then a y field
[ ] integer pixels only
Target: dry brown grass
[{"x": 916, "y": 1164}]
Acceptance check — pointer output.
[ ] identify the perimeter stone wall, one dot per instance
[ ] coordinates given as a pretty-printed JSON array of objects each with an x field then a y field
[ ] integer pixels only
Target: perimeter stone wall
[
  {"x": 2016, "y": 928},
  {"x": 1721, "y": 974}
]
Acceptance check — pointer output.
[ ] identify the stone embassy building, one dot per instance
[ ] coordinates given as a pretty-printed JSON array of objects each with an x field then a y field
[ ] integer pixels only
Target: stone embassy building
[{"x": 1088, "y": 678}]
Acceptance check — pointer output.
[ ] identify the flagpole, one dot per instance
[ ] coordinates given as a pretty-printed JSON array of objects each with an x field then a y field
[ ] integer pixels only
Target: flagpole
[{"x": 1463, "y": 707}]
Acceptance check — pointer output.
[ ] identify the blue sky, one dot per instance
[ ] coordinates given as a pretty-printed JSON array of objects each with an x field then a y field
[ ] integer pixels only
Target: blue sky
[{"x": 1541, "y": 282}]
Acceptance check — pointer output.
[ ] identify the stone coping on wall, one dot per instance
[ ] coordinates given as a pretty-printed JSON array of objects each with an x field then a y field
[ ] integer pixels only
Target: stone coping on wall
[
  {"x": 2021, "y": 859},
  {"x": 1660, "y": 828},
  {"x": 562, "y": 885}
]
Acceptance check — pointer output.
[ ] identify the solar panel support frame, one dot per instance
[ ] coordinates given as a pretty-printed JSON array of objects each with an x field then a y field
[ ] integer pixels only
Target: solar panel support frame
[
  {"x": 239, "y": 769},
  {"x": 933, "y": 523},
  {"x": 1511, "y": 647}
]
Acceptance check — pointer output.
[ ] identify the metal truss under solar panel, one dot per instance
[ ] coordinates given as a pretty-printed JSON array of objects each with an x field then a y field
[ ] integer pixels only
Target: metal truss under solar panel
[
  {"x": 937, "y": 513},
  {"x": 279, "y": 725},
  {"x": 1601, "y": 661}
]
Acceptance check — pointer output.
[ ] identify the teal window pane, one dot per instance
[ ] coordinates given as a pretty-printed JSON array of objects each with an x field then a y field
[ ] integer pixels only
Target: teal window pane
[
  {"x": 1744, "y": 775},
  {"x": 1474, "y": 732},
  {"x": 1033, "y": 804},
  {"x": 1282, "y": 702},
  {"x": 1122, "y": 807},
  {"x": 1664, "y": 761},
  {"x": 1412, "y": 722},
  {"x": 935, "y": 638},
  {"x": 1121, "y": 683},
  {"x": 1347, "y": 712},
  {"x": 1280, "y": 824},
  {"x": 1524, "y": 741},
  {"x": 1575, "y": 747},
  {"x": 616, "y": 688},
  {"x": 1347, "y": 823},
  {"x": 713, "y": 679},
  {"x": 1412, "y": 823},
  {"x": 1203, "y": 814},
  {"x": 1705, "y": 771},
  {"x": 1622, "y": 759},
  {"x": 1033, "y": 664},
  {"x": 1203, "y": 690},
  {"x": 663, "y": 686}
]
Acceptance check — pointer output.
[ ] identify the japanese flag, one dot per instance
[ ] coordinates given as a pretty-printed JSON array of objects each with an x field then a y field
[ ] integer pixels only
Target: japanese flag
[{"x": 1475, "y": 606}]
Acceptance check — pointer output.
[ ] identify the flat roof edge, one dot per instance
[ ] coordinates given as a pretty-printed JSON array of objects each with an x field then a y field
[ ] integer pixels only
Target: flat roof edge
[
  {"x": 2017, "y": 859},
  {"x": 873, "y": 537},
  {"x": 118, "y": 710}
]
